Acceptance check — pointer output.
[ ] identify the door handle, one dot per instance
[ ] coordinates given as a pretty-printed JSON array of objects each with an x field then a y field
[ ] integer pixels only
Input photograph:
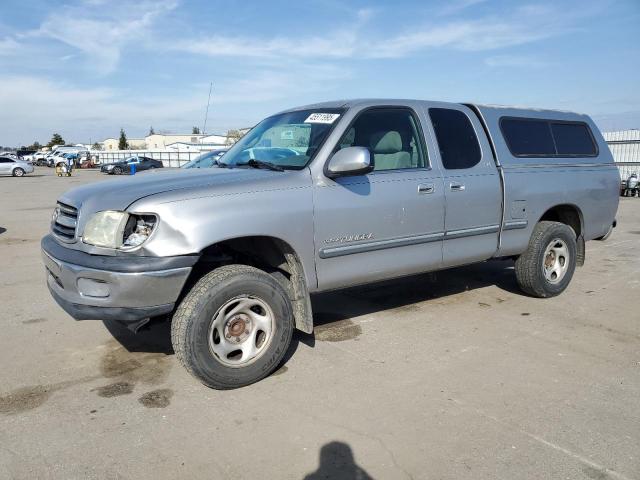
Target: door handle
[
  {"x": 425, "y": 188},
  {"x": 456, "y": 187}
]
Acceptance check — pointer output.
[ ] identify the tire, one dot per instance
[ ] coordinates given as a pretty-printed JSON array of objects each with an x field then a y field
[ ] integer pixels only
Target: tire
[
  {"x": 206, "y": 314},
  {"x": 117, "y": 170},
  {"x": 18, "y": 172},
  {"x": 535, "y": 269}
]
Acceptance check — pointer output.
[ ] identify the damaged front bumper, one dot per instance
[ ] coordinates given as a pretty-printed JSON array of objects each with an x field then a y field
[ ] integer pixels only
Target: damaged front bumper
[{"x": 124, "y": 288}]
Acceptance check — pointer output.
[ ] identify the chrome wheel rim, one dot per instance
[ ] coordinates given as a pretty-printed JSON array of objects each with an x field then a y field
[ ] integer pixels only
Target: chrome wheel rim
[
  {"x": 241, "y": 331},
  {"x": 555, "y": 261},
  {"x": 19, "y": 172}
]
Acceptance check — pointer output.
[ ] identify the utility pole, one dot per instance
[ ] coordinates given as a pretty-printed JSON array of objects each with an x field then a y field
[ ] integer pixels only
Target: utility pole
[{"x": 204, "y": 128}]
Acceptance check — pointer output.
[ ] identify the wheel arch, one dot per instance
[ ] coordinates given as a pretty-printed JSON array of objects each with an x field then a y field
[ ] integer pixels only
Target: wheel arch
[
  {"x": 571, "y": 215},
  {"x": 268, "y": 253}
]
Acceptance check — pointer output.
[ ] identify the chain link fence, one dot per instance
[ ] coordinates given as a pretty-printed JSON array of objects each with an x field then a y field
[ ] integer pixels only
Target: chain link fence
[
  {"x": 625, "y": 148},
  {"x": 168, "y": 158}
]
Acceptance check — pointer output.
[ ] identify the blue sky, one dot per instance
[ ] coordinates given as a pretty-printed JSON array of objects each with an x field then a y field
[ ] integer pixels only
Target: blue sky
[{"x": 87, "y": 68}]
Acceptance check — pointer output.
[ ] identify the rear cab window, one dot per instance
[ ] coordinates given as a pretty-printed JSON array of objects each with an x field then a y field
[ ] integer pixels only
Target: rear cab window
[
  {"x": 534, "y": 137},
  {"x": 457, "y": 140}
]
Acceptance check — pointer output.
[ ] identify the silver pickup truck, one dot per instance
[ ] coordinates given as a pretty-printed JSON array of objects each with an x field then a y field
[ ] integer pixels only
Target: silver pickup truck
[{"x": 323, "y": 197}]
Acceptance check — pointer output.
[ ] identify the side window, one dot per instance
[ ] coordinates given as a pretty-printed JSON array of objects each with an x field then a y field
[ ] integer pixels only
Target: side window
[
  {"x": 573, "y": 139},
  {"x": 392, "y": 135},
  {"x": 528, "y": 137},
  {"x": 5, "y": 160},
  {"x": 457, "y": 141}
]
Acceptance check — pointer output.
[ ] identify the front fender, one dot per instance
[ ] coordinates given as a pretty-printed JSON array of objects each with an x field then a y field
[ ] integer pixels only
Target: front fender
[{"x": 189, "y": 225}]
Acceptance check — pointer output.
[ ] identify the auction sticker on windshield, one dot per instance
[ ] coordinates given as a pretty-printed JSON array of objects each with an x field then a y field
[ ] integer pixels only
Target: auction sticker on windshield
[{"x": 322, "y": 118}]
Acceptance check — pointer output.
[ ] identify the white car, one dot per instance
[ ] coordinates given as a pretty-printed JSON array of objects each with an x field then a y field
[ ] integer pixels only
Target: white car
[{"x": 15, "y": 167}]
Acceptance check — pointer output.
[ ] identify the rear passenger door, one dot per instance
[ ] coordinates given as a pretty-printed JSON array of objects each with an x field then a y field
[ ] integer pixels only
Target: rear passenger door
[{"x": 473, "y": 194}]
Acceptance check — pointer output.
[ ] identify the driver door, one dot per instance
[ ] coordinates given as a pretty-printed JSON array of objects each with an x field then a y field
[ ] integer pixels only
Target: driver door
[{"x": 387, "y": 223}]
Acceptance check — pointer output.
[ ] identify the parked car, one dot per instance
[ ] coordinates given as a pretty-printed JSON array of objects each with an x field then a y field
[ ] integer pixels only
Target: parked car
[
  {"x": 124, "y": 166},
  {"x": 233, "y": 253},
  {"x": 39, "y": 158},
  {"x": 206, "y": 160},
  {"x": 13, "y": 166},
  {"x": 53, "y": 158}
]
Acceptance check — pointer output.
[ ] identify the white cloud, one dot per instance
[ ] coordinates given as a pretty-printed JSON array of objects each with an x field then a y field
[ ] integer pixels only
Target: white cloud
[
  {"x": 337, "y": 43},
  {"x": 8, "y": 46},
  {"x": 238, "y": 100},
  {"x": 45, "y": 106},
  {"x": 522, "y": 25},
  {"x": 518, "y": 61},
  {"x": 457, "y": 6},
  {"x": 102, "y": 36}
]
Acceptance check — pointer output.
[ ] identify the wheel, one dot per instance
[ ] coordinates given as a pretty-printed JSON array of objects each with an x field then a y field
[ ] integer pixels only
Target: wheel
[
  {"x": 233, "y": 328},
  {"x": 18, "y": 172},
  {"x": 546, "y": 267},
  {"x": 117, "y": 170}
]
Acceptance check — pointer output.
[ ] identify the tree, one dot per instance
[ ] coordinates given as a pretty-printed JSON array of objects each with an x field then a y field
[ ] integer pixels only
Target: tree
[
  {"x": 195, "y": 130},
  {"x": 151, "y": 130},
  {"x": 56, "y": 139},
  {"x": 96, "y": 146},
  {"x": 122, "y": 143},
  {"x": 234, "y": 135}
]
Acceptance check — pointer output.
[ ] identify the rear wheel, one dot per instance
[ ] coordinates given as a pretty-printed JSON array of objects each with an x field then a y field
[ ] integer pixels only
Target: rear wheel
[
  {"x": 18, "y": 172},
  {"x": 546, "y": 267},
  {"x": 233, "y": 328}
]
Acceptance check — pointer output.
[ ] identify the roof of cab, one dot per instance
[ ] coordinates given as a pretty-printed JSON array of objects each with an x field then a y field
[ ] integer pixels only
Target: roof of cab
[{"x": 490, "y": 109}]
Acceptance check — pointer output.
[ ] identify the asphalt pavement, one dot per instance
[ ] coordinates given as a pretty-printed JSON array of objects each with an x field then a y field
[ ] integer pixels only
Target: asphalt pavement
[{"x": 453, "y": 375}]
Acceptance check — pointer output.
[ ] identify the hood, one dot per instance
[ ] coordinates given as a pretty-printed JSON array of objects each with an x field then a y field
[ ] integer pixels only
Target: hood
[{"x": 118, "y": 194}]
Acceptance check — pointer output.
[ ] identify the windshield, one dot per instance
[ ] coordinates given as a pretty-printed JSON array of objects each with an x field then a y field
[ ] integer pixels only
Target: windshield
[{"x": 288, "y": 140}]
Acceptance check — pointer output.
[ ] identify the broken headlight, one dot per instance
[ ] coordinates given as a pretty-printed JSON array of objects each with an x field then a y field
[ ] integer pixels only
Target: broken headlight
[{"x": 114, "y": 229}]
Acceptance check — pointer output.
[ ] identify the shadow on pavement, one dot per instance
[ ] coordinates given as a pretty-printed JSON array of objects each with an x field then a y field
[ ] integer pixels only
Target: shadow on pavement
[
  {"x": 154, "y": 338},
  {"x": 404, "y": 293},
  {"x": 341, "y": 305},
  {"x": 337, "y": 463}
]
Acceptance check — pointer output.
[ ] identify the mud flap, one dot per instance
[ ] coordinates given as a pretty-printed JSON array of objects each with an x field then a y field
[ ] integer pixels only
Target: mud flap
[{"x": 580, "y": 251}]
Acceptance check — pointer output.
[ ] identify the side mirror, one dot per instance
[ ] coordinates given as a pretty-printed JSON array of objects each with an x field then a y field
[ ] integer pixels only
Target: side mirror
[{"x": 350, "y": 161}]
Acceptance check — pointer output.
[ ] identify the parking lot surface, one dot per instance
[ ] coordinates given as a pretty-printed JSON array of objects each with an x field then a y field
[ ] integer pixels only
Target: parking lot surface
[{"x": 444, "y": 376}]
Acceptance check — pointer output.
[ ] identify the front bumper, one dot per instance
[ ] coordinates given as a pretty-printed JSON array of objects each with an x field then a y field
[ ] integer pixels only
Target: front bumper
[{"x": 126, "y": 288}]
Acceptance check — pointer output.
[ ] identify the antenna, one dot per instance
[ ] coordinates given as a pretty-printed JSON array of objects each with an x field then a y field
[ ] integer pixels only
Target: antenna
[{"x": 207, "y": 112}]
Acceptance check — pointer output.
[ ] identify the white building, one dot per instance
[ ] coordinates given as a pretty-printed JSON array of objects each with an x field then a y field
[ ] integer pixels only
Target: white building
[
  {"x": 110, "y": 144},
  {"x": 625, "y": 148}
]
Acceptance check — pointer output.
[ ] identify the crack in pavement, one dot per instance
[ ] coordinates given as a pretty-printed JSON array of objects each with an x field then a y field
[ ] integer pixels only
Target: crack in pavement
[{"x": 539, "y": 439}]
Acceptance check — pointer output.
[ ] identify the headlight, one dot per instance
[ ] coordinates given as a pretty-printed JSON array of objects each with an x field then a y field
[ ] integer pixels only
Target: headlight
[{"x": 113, "y": 229}]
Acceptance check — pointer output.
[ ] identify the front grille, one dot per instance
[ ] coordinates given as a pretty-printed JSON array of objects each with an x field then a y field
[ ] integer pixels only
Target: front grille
[{"x": 64, "y": 222}]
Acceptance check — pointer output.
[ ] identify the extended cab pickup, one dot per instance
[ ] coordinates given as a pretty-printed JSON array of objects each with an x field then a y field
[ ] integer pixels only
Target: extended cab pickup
[{"x": 323, "y": 197}]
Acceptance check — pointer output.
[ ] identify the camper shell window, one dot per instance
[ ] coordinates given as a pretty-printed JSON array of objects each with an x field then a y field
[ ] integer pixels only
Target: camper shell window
[{"x": 536, "y": 137}]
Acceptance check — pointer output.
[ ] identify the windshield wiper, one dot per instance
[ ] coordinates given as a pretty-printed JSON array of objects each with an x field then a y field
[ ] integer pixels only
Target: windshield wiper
[{"x": 260, "y": 164}]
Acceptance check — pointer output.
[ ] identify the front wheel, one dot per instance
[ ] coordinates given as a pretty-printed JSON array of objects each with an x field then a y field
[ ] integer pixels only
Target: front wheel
[
  {"x": 546, "y": 267},
  {"x": 18, "y": 172},
  {"x": 233, "y": 328},
  {"x": 117, "y": 170}
]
